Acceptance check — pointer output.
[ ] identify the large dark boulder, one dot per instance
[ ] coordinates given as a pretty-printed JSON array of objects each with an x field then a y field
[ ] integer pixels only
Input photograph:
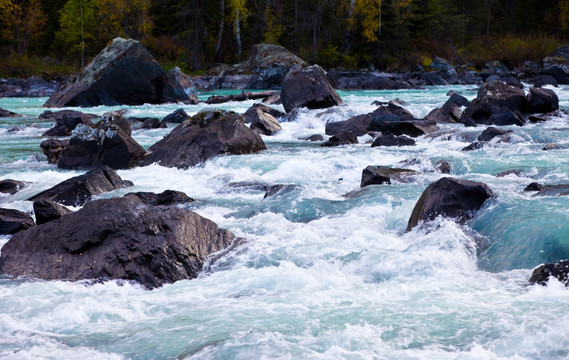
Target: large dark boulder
[
  {"x": 207, "y": 134},
  {"x": 557, "y": 67},
  {"x": 449, "y": 197},
  {"x": 308, "y": 87},
  {"x": 179, "y": 80},
  {"x": 65, "y": 121},
  {"x": 450, "y": 112},
  {"x": 80, "y": 189},
  {"x": 541, "y": 101},
  {"x": 124, "y": 73},
  {"x": 542, "y": 273},
  {"x": 357, "y": 125},
  {"x": 130, "y": 240},
  {"x": 13, "y": 221},
  {"x": 377, "y": 175},
  {"x": 497, "y": 103},
  {"x": 7, "y": 113},
  {"x": 109, "y": 143},
  {"x": 398, "y": 121},
  {"x": 9, "y": 186},
  {"x": 47, "y": 210},
  {"x": 153, "y": 123},
  {"x": 54, "y": 149}
]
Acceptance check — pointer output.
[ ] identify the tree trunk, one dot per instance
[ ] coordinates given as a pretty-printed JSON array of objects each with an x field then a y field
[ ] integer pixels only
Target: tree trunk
[
  {"x": 238, "y": 33},
  {"x": 220, "y": 31},
  {"x": 488, "y": 6}
]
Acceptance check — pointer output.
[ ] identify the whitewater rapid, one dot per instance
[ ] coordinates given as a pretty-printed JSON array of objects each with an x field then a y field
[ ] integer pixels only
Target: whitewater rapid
[{"x": 321, "y": 275}]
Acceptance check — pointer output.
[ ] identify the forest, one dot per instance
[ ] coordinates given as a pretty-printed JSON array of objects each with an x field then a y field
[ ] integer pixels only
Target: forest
[{"x": 53, "y": 37}]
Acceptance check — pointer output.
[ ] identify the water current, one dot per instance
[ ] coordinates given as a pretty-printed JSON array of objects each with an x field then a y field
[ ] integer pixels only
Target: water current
[{"x": 321, "y": 276}]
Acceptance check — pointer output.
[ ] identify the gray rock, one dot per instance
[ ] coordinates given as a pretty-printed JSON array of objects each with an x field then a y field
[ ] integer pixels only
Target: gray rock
[
  {"x": 13, "y": 221},
  {"x": 9, "y": 186},
  {"x": 542, "y": 273},
  {"x": 377, "y": 175},
  {"x": 47, "y": 210}
]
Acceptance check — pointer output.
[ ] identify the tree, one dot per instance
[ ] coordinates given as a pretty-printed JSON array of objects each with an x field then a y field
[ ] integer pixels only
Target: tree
[
  {"x": 22, "y": 23},
  {"x": 77, "y": 27},
  {"x": 239, "y": 14}
]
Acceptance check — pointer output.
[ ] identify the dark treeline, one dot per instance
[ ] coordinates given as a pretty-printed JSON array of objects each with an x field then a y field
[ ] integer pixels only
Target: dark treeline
[{"x": 60, "y": 35}]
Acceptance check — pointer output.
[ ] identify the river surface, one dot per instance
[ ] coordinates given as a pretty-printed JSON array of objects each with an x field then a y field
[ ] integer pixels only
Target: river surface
[{"x": 321, "y": 276}]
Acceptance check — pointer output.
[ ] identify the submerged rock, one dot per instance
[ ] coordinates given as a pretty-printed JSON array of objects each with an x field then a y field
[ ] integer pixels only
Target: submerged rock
[
  {"x": 13, "y": 221},
  {"x": 559, "y": 270},
  {"x": 152, "y": 245},
  {"x": 308, "y": 87},
  {"x": 167, "y": 197},
  {"x": 377, "y": 175},
  {"x": 9, "y": 186},
  {"x": 109, "y": 144},
  {"x": 177, "y": 117},
  {"x": 392, "y": 140},
  {"x": 344, "y": 138},
  {"x": 80, "y": 189},
  {"x": 449, "y": 197},
  {"x": 124, "y": 73},
  {"x": 207, "y": 134},
  {"x": 398, "y": 121}
]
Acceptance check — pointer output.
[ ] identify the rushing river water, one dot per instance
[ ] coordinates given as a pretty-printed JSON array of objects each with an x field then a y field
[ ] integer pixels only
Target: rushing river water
[{"x": 321, "y": 276}]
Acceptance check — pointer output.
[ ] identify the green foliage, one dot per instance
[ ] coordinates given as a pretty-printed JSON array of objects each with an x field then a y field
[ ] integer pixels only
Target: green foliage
[
  {"x": 510, "y": 49},
  {"x": 24, "y": 66}
]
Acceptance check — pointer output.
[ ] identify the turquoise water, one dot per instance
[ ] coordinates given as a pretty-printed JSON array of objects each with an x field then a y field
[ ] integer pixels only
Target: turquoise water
[{"x": 321, "y": 276}]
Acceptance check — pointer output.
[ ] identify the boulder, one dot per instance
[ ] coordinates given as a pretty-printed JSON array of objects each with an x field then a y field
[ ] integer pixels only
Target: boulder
[
  {"x": 315, "y": 137},
  {"x": 152, "y": 245},
  {"x": 109, "y": 143},
  {"x": 367, "y": 81},
  {"x": 65, "y": 121},
  {"x": 553, "y": 190},
  {"x": 54, "y": 149},
  {"x": 344, "y": 138},
  {"x": 13, "y": 221},
  {"x": 450, "y": 112},
  {"x": 543, "y": 80},
  {"x": 432, "y": 78},
  {"x": 9, "y": 186},
  {"x": 251, "y": 113},
  {"x": 7, "y": 113},
  {"x": 270, "y": 63},
  {"x": 474, "y": 146},
  {"x": 179, "y": 80},
  {"x": 264, "y": 123},
  {"x": 124, "y": 73},
  {"x": 550, "y": 146},
  {"x": 541, "y": 101},
  {"x": 357, "y": 125},
  {"x": 153, "y": 123},
  {"x": 398, "y": 121},
  {"x": 377, "y": 175},
  {"x": 308, "y": 87},
  {"x": 557, "y": 67},
  {"x": 392, "y": 140},
  {"x": 207, "y": 134},
  {"x": 497, "y": 103},
  {"x": 80, "y": 189},
  {"x": 534, "y": 186},
  {"x": 177, "y": 117},
  {"x": 491, "y": 132},
  {"x": 243, "y": 96},
  {"x": 542, "y": 273},
  {"x": 167, "y": 197},
  {"x": 442, "y": 166},
  {"x": 274, "y": 99},
  {"x": 450, "y": 197},
  {"x": 47, "y": 210}
]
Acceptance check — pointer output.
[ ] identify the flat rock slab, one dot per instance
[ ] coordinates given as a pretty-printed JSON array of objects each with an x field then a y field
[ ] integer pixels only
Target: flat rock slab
[{"x": 152, "y": 245}]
